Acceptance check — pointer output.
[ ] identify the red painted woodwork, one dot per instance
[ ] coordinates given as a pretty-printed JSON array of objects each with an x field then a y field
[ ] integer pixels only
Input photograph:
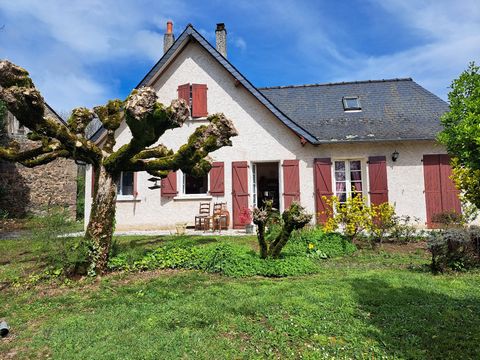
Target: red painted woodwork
[
  {"x": 199, "y": 100},
  {"x": 323, "y": 186},
  {"x": 169, "y": 185},
  {"x": 291, "y": 182},
  {"x": 239, "y": 191},
  {"x": 184, "y": 93},
  {"x": 440, "y": 192},
  {"x": 377, "y": 175},
  {"x": 450, "y": 199},
  {"x": 217, "y": 179}
]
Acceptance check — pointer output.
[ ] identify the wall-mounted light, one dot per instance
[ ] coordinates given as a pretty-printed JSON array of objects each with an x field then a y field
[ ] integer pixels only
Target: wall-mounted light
[{"x": 395, "y": 156}]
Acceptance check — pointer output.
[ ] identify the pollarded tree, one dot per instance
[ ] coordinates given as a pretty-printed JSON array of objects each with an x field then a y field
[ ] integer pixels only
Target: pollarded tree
[
  {"x": 147, "y": 120},
  {"x": 461, "y": 134}
]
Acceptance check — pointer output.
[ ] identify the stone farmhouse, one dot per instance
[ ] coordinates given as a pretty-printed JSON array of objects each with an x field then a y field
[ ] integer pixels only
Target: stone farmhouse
[
  {"x": 375, "y": 137},
  {"x": 33, "y": 190}
]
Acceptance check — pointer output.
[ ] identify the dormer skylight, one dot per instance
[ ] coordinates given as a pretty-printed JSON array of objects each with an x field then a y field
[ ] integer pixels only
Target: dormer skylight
[{"x": 351, "y": 103}]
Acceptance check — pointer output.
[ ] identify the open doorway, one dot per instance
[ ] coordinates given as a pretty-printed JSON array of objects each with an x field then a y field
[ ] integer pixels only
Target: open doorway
[{"x": 266, "y": 184}]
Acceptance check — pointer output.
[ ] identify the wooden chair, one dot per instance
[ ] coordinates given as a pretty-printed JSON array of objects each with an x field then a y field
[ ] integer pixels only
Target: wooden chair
[
  {"x": 202, "y": 220},
  {"x": 220, "y": 217}
]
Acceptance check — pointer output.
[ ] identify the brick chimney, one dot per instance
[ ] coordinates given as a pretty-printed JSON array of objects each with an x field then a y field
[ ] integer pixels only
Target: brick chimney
[
  {"x": 168, "y": 38},
  {"x": 221, "y": 39}
]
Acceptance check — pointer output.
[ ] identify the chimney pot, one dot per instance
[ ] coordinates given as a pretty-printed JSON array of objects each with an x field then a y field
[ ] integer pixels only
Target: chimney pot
[
  {"x": 168, "y": 38},
  {"x": 221, "y": 39}
]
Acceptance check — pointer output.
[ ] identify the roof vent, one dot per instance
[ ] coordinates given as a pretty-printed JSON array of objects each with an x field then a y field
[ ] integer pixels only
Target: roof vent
[{"x": 351, "y": 103}]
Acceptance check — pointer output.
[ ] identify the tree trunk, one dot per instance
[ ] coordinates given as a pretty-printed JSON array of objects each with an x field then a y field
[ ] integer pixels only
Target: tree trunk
[
  {"x": 261, "y": 240},
  {"x": 101, "y": 224}
]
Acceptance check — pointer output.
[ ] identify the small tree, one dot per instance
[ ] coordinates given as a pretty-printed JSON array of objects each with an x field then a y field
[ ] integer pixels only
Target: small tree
[
  {"x": 292, "y": 219},
  {"x": 147, "y": 120},
  {"x": 461, "y": 132}
]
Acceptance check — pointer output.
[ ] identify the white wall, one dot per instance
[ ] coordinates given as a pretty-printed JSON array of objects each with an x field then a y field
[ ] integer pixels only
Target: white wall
[{"x": 262, "y": 138}]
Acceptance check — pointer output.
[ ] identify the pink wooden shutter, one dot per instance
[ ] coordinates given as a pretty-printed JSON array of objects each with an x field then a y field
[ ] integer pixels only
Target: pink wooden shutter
[
  {"x": 169, "y": 185},
  {"x": 199, "y": 100},
  {"x": 184, "y": 92},
  {"x": 135, "y": 182},
  {"x": 291, "y": 182},
  {"x": 377, "y": 174},
  {"x": 432, "y": 179},
  {"x": 323, "y": 186},
  {"x": 239, "y": 191},
  {"x": 450, "y": 200},
  {"x": 217, "y": 179}
]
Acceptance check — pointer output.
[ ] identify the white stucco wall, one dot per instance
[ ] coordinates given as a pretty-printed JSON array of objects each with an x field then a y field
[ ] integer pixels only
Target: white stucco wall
[{"x": 262, "y": 137}]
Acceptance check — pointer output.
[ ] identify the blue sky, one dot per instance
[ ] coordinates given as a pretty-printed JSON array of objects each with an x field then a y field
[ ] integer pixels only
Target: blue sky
[{"x": 82, "y": 53}]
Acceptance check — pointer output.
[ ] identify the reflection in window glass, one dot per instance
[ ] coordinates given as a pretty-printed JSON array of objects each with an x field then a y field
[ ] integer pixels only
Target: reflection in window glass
[{"x": 348, "y": 179}]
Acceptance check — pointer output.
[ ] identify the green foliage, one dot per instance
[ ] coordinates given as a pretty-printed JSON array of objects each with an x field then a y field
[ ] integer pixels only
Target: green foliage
[
  {"x": 60, "y": 252},
  {"x": 221, "y": 258},
  {"x": 80, "y": 210},
  {"x": 320, "y": 244},
  {"x": 460, "y": 134},
  {"x": 454, "y": 249}
]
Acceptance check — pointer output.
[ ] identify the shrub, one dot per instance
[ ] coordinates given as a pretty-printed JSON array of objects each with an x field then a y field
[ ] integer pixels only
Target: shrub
[
  {"x": 60, "y": 252},
  {"x": 403, "y": 230},
  {"x": 319, "y": 244},
  {"x": 453, "y": 248}
]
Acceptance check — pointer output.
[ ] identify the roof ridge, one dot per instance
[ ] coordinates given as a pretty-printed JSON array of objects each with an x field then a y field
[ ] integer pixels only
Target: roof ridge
[{"x": 335, "y": 83}]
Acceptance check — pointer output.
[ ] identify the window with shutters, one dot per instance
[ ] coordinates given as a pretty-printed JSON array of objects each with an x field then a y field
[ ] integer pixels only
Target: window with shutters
[
  {"x": 349, "y": 179},
  {"x": 125, "y": 186},
  {"x": 196, "y": 97},
  {"x": 195, "y": 185}
]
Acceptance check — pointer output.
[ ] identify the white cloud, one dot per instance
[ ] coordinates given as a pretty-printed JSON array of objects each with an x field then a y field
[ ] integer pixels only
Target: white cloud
[{"x": 239, "y": 43}]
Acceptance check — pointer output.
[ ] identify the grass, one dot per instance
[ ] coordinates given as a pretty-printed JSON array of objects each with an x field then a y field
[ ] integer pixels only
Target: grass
[{"x": 376, "y": 304}]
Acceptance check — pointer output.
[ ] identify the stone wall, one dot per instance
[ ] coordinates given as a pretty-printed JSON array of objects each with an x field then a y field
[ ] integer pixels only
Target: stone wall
[{"x": 33, "y": 190}]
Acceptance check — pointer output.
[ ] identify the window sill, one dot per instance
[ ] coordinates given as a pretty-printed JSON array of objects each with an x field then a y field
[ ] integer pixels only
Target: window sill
[
  {"x": 192, "y": 197},
  {"x": 127, "y": 198}
]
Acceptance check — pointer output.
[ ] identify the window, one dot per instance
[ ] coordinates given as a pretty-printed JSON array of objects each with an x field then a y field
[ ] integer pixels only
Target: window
[
  {"x": 351, "y": 103},
  {"x": 196, "y": 97},
  {"x": 125, "y": 184},
  {"x": 195, "y": 184},
  {"x": 348, "y": 179}
]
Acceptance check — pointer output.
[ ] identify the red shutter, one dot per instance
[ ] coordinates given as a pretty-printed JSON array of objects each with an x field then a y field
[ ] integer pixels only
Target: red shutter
[
  {"x": 441, "y": 195},
  {"x": 199, "y": 100},
  {"x": 239, "y": 191},
  {"x": 291, "y": 182},
  {"x": 450, "y": 200},
  {"x": 217, "y": 179},
  {"x": 169, "y": 185},
  {"x": 377, "y": 175},
  {"x": 135, "y": 181},
  {"x": 433, "y": 185},
  {"x": 184, "y": 93},
  {"x": 323, "y": 186}
]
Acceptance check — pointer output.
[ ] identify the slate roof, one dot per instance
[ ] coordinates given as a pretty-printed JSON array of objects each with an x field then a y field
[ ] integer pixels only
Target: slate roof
[{"x": 396, "y": 109}]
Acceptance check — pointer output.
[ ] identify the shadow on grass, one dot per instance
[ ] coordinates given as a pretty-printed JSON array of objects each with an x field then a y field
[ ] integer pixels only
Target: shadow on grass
[{"x": 415, "y": 323}]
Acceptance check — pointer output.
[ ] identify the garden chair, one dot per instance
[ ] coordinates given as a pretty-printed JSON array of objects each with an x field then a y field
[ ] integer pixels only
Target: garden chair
[
  {"x": 202, "y": 219},
  {"x": 220, "y": 217}
]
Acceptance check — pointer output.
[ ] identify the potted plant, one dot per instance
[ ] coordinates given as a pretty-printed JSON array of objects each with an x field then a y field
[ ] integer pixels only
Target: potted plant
[{"x": 246, "y": 219}]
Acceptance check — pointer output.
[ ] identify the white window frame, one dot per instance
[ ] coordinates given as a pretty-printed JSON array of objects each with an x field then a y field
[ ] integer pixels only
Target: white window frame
[
  {"x": 351, "y": 109},
  {"x": 182, "y": 196},
  {"x": 348, "y": 184},
  {"x": 120, "y": 196}
]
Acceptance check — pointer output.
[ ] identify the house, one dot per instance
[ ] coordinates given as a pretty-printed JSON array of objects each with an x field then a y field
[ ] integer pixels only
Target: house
[
  {"x": 295, "y": 142},
  {"x": 33, "y": 190}
]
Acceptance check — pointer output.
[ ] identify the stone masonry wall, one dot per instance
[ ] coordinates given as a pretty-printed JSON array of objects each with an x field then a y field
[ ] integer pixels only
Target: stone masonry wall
[{"x": 33, "y": 190}]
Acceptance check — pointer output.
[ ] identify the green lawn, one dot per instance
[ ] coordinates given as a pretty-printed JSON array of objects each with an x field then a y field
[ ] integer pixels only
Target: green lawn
[{"x": 372, "y": 305}]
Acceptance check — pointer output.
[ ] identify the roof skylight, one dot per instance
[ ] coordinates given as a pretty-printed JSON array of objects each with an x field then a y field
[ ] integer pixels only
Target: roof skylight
[{"x": 351, "y": 103}]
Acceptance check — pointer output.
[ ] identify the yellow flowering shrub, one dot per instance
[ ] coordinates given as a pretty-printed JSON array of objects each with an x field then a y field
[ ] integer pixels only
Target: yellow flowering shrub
[{"x": 354, "y": 217}]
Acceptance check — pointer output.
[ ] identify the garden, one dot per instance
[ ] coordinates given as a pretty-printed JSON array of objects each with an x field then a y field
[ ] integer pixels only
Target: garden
[{"x": 214, "y": 297}]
